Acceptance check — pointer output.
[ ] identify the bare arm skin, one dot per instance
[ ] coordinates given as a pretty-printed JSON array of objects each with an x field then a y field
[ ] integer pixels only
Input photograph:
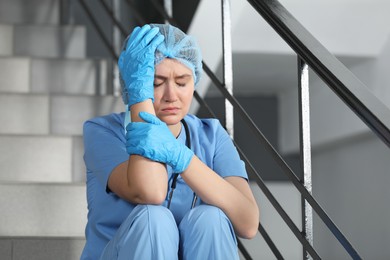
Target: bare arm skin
[
  {"x": 232, "y": 195},
  {"x": 140, "y": 180}
]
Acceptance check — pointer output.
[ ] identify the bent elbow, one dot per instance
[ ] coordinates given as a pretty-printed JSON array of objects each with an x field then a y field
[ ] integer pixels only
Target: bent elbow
[
  {"x": 250, "y": 228},
  {"x": 157, "y": 198},
  {"x": 152, "y": 197},
  {"x": 249, "y": 232}
]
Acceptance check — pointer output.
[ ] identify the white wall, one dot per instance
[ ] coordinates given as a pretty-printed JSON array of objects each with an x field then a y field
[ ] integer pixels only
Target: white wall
[{"x": 351, "y": 181}]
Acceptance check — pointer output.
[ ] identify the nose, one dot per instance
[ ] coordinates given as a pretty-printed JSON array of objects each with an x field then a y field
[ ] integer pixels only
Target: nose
[{"x": 170, "y": 94}]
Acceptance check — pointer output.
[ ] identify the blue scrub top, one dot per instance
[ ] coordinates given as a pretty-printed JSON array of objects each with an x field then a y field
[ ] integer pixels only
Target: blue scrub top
[{"x": 105, "y": 148}]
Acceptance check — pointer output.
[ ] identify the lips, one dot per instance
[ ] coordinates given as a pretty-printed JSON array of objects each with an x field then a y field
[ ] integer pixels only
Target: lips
[{"x": 170, "y": 109}]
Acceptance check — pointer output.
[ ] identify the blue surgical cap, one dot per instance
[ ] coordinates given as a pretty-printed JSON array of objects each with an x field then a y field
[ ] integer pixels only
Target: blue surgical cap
[{"x": 176, "y": 45}]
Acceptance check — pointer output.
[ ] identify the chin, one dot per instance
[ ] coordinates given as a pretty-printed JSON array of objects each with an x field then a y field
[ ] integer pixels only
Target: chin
[{"x": 171, "y": 120}]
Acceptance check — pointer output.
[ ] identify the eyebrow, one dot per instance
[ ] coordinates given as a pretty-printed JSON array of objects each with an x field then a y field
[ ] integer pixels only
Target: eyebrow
[{"x": 177, "y": 77}]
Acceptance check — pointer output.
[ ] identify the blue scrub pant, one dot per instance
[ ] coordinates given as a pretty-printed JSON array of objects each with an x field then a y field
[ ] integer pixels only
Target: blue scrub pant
[{"x": 150, "y": 232}]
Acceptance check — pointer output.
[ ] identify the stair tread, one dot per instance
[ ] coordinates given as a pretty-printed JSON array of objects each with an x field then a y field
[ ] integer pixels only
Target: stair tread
[
  {"x": 27, "y": 11},
  {"x": 43, "y": 209},
  {"x": 38, "y": 248}
]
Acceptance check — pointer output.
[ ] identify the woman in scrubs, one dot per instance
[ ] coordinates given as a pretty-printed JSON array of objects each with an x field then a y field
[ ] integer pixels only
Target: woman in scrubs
[{"x": 161, "y": 183}]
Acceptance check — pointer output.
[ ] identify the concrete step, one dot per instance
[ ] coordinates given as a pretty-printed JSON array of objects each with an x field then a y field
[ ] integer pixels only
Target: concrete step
[
  {"x": 42, "y": 210},
  {"x": 6, "y": 36},
  {"x": 40, "y": 114},
  {"x": 43, "y": 41},
  {"x": 43, "y": 159},
  {"x": 68, "y": 113},
  {"x": 30, "y": 12},
  {"x": 70, "y": 76},
  {"x": 15, "y": 74},
  {"x": 41, "y": 248},
  {"x": 24, "y": 114}
]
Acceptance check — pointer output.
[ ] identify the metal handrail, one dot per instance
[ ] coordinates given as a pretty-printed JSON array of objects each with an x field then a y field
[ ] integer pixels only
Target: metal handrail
[
  {"x": 243, "y": 250},
  {"x": 285, "y": 168},
  {"x": 99, "y": 30},
  {"x": 137, "y": 15},
  {"x": 268, "y": 240},
  {"x": 112, "y": 16},
  {"x": 339, "y": 78},
  {"x": 270, "y": 197}
]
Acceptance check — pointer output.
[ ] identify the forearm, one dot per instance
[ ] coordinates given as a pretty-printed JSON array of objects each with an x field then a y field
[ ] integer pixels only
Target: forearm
[
  {"x": 234, "y": 198},
  {"x": 140, "y": 180},
  {"x": 147, "y": 178}
]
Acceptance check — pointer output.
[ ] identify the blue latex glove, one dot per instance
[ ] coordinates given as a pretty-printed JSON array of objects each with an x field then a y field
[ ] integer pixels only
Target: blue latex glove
[
  {"x": 153, "y": 139},
  {"x": 136, "y": 63}
]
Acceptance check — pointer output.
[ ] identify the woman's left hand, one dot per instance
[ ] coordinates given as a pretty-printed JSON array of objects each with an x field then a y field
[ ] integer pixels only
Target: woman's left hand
[{"x": 153, "y": 139}]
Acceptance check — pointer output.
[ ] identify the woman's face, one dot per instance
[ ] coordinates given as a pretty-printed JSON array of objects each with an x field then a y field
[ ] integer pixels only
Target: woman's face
[{"x": 173, "y": 91}]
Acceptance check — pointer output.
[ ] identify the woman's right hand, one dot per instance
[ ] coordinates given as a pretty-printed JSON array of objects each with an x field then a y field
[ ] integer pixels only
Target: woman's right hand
[{"x": 136, "y": 63}]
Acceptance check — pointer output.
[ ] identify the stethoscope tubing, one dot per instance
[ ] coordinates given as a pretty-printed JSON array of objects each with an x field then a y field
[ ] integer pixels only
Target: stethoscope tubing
[{"x": 174, "y": 181}]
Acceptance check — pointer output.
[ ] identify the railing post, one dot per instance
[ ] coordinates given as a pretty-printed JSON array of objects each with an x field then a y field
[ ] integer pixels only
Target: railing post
[
  {"x": 168, "y": 8},
  {"x": 227, "y": 64},
  {"x": 305, "y": 148},
  {"x": 117, "y": 44}
]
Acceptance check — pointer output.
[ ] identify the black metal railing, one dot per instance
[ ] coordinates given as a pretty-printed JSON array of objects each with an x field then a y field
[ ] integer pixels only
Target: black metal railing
[
  {"x": 332, "y": 72},
  {"x": 339, "y": 78}
]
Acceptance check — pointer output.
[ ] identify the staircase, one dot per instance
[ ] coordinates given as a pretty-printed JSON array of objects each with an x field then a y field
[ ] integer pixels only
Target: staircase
[{"x": 48, "y": 88}]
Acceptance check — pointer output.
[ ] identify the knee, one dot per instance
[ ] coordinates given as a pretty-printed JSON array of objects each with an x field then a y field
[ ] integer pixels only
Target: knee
[
  {"x": 205, "y": 217},
  {"x": 156, "y": 220},
  {"x": 149, "y": 230},
  {"x": 155, "y": 213}
]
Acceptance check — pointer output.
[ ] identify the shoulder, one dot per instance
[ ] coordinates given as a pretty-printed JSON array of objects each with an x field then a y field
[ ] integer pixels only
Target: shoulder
[
  {"x": 209, "y": 131},
  {"x": 113, "y": 122},
  {"x": 203, "y": 124}
]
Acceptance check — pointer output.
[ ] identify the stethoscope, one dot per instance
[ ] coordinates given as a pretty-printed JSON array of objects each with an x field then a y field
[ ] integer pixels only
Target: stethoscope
[
  {"x": 188, "y": 144},
  {"x": 173, "y": 185}
]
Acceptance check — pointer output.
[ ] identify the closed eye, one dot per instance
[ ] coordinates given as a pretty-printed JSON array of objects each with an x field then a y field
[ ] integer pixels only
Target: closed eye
[{"x": 181, "y": 84}]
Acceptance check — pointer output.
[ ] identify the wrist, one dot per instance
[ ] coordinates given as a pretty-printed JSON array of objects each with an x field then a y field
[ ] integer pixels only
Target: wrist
[
  {"x": 183, "y": 160},
  {"x": 140, "y": 91},
  {"x": 145, "y": 106}
]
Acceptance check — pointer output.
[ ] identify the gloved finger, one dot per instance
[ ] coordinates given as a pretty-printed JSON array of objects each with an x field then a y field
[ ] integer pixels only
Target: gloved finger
[
  {"x": 157, "y": 41},
  {"x": 130, "y": 126},
  {"x": 138, "y": 36},
  {"x": 133, "y": 35},
  {"x": 136, "y": 126},
  {"x": 148, "y": 37},
  {"x": 149, "y": 118},
  {"x": 135, "y": 150},
  {"x": 121, "y": 60}
]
